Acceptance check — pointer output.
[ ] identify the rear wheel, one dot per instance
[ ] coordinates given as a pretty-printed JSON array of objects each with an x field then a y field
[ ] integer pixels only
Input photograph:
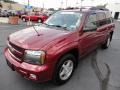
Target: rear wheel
[
  {"x": 107, "y": 43},
  {"x": 64, "y": 70},
  {"x": 39, "y": 21},
  {"x": 24, "y": 19}
]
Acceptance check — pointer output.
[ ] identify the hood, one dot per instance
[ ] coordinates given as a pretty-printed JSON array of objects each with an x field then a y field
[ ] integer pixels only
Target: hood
[{"x": 28, "y": 38}]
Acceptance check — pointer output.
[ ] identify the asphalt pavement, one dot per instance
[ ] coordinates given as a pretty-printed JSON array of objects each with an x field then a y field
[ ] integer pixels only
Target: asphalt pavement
[{"x": 100, "y": 70}]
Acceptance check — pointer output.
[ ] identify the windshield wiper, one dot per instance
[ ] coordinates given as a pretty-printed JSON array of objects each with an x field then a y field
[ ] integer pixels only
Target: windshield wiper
[
  {"x": 59, "y": 26},
  {"x": 56, "y": 26}
]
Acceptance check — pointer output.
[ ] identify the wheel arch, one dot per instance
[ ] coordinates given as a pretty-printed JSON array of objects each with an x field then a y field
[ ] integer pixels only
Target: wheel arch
[
  {"x": 111, "y": 35},
  {"x": 74, "y": 51},
  {"x": 39, "y": 18}
]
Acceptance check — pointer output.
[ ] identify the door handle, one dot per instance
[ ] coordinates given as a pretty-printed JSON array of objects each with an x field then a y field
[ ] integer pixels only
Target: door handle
[{"x": 107, "y": 28}]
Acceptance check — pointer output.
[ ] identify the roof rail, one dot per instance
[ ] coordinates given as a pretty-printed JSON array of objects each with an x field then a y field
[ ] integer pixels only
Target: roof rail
[
  {"x": 94, "y": 8},
  {"x": 99, "y": 8}
]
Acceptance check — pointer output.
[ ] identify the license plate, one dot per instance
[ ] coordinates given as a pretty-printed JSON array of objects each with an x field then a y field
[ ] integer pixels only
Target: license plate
[{"x": 9, "y": 64}]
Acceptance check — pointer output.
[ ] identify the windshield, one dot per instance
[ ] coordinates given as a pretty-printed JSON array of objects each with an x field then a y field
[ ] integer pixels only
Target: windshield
[{"x": 66, "y": 19}]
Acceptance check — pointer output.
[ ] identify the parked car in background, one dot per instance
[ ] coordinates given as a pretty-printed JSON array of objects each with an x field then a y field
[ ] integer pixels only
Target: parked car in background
[
  {"x": 21, "y": 13},
  {"x": 4, "y": 13},
  {"x": 49, "y": 13},
  {"x": 52, "y": 50},
  {"x": 39, "y": 17},
  {"x": 7, "y": 13},
  {"x": 12, "y": 12}
]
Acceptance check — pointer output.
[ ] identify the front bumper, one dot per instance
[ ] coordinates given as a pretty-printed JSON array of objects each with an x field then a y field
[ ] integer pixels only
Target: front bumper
[{"x": 31, "y": 72}]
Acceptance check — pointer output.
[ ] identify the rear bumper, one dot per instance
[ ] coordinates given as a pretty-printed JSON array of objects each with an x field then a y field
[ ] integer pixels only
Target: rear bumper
[{"x": 31, "y": 72}]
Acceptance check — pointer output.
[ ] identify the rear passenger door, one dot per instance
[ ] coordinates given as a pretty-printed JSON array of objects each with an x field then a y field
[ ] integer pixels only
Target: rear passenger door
[{"x": 104, "y": 26}]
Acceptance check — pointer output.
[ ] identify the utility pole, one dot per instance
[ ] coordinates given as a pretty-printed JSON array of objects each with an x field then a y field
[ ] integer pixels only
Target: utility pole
[
  {"x": 28, "y": 2},
  {"x": 81, "y": 4},
  {"x": 43, "y": 5},
  {"x": 77, "y": 4},
  {"x": 66, "y": 3},
  {"x": 92, "y": 2},
  {"x": 29, "y": 23},
  {"x": 43, "y": 8},
  {"x": 61, "y": 4}
]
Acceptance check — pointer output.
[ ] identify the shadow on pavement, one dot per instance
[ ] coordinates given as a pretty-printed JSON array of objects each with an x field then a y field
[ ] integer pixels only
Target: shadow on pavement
[{"x": 103, "y": 80}]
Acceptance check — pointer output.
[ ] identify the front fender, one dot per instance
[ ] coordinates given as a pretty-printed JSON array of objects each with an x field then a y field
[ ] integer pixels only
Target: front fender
[{"x": 54, "y": 54}]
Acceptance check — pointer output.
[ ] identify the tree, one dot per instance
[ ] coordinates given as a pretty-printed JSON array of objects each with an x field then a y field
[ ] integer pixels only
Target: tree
[
  {"x": 9, "y": 1},
  {"x": 6, "y": 0},
  {"x": 1, "y": 4}
]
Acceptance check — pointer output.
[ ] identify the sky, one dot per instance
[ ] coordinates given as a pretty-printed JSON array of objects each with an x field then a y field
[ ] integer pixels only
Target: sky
[{"x": 62, "y": 3}]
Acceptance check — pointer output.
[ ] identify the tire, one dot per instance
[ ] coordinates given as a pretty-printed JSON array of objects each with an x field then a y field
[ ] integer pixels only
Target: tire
[
  {"x": 23, "y": 19},
  {"x": 107, "y": 43},
  {"x": 39, "y": 21},
  {"x": 64, "y": 71}
]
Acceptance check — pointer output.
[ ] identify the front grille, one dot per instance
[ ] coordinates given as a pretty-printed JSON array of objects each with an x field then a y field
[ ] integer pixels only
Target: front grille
[
  {"x": 16, "y": 47},
  {"x": 16, "y": 51}
]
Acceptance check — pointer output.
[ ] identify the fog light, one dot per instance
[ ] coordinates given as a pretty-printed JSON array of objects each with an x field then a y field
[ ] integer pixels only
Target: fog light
[{"x": 33, "y": 76}]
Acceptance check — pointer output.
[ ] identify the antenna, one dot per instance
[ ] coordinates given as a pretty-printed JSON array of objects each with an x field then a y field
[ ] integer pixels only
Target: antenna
[{"x": 36, "y": 31}]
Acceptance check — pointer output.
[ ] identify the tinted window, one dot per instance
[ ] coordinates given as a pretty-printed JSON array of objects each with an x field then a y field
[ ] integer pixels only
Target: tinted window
[
  {"x": 108, "y": 14},
  {"x": 109, "y": 18},
  {"x": 91, "y": 23},
  {"x": 101, "y": 18}
]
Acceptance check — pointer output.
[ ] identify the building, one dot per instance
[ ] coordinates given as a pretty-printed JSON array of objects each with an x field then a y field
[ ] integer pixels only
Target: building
[
  {"x": 17, "y": 6},
  {"x": 14, "y": 6},
  {"x": 115, "y": 9}
]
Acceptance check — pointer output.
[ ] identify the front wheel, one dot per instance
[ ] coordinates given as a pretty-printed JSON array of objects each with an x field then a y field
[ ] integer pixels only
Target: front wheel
[{"x": 64, "y": 70}]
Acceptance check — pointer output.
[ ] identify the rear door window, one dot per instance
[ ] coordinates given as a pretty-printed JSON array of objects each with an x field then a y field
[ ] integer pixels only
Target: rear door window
[{"x": 101, "y": 18}]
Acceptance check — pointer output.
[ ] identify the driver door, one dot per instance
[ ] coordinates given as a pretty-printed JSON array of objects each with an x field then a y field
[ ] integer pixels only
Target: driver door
[{"x": 89, "y": 39}]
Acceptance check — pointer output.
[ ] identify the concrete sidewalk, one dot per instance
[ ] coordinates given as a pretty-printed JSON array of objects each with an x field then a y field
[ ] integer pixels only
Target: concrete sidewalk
[{"x": 20, "y": 22}]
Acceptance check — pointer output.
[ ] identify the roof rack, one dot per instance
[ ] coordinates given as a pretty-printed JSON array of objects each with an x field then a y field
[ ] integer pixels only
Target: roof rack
[
  {"x": 99, "y": 8},
  {"x": 94, "y": 8}
]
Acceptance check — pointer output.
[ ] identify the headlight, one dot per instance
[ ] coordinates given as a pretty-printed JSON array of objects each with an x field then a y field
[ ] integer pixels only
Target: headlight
[{"x": 34, "y": 57}]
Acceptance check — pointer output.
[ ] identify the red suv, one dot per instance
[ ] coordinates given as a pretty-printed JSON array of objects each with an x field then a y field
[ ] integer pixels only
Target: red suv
[
  {"x": 39, "y": 17},
  {"x": 51, "y": 51}
]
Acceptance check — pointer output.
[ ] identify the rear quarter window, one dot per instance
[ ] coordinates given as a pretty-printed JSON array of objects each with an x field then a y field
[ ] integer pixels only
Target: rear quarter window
[
  {"x": 108, "y": 14},
  {"x": 109, "y": 18}
]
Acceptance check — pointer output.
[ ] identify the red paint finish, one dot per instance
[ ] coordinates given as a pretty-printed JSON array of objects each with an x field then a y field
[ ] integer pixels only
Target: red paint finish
[
  {"x": 42, "y": 17},
  {"x": 55, "y": 42}
]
